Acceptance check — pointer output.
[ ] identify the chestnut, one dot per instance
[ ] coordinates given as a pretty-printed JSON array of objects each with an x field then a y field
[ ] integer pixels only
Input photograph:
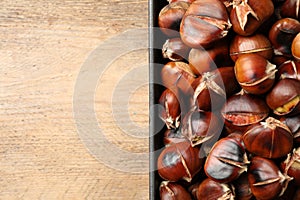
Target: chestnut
[
  {"x": 170, "y": 17},
  {"x": 254, "y": 73},
  {"x": 284, "y": 98},
  {"x": 290, "y": 8},
  {"x": 257, "y": 43},
  {"x": 179, "y": 75},
  {"x": 205, "y": 60},
  {"x": 289, "y": 69},
  {"x": 296, "y": 47},
  {"x": 179, "y": 161},
  {"x": 265, "y": 179},
  {"x": 175, "y": 50},
  {"x": 282, "y": 34},
  {"x": 247, "y": 16},
  {"x": 226, "y": 161},
  {"x": 205, "y": 22},
  {"x": 270, "y": 139},
  {"x": 199, "y": 126},
  {"x": 242, "y": 110},
  {"x": 188, "y": 1},
  {"x": 291, "y": 166},
  {"x": 209, "y": 189},
  {"x": 213, "y": 88},
  {"x": 170, "y": 112},
  {"x": 173, "y": 191}
]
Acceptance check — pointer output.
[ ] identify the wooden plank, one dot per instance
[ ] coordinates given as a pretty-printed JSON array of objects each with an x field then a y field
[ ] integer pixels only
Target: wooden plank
[{"x": 43, "y": 45}]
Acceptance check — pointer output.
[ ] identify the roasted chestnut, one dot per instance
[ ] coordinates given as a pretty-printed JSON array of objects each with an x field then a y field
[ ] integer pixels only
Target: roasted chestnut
[
  {"x": 213, "y": 88},
  {"x": 170, "y": 17},
  {"x": 179, "y": 161},
  {"x": 290, "y": 8},
  {"x": 254, "y": 73},
  {"x": 209, "y": 189},
  {"x": 291, "y": 166},
  {"x": 199, "y": 126},
  {"x": 282, "y": 34},
  {"x": 247, "y": 16},
  {"x": 171, "y": 111},
  {"x": 289, "y": 69},
  {"x": 266, "y": 180},
  {"x": 242, "y": 110},
  {"x": 173, "y": 191},
  {"x": 296, "y": 47},
  {"x": 205, "y": 22},
  {"x": 226, "y": 160},
  {"x": 257, "y": 43},
  {"x": 270, "y": 139},
  {"x": 205, "y": 60},
  {"x": 175, "y": 50},
  {"x": 284, "y": 98},
  {"x": 179, "y": 75}
]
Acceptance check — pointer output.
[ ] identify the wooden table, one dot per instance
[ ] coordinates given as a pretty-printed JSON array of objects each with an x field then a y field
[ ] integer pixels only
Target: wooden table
[{"x": 44, "y": 46}]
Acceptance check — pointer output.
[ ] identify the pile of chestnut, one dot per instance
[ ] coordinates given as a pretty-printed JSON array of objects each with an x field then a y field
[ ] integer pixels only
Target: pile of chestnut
[{"x": 231, "y": 100}]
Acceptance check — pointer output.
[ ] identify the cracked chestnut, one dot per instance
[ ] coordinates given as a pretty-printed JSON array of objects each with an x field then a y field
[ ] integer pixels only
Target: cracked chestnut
[
  {"x": 270, "y": 139},
  {"x": 205, "y": 22},
  {"x": 294, "y": 125},
  {"x": 175, "y": 50},
  {"x": 199, "y": 126},
  {"x": 289, "y": 69},
  {"x": 266, "y": 180},
  {"x": 179, "y": 161},
  {"x": 255, "y": 73},
  {"x": 257, "y": 43},
  {"x": 173, "y": 191},
  {"x": 291, "y": 166},
  {"x": 226, "y": 161},
  {"x": 247, "y": 16},
  {"x": 242, "y": 110},
  {"x": 284, "y": 98}
]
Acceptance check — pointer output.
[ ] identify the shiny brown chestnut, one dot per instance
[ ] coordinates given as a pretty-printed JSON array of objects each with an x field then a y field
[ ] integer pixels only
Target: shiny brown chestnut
[
  {"x": 247, "y": 16},
  {"x": 284, "y": 98},
  {"x": 179, "y": 75},
  {"x": 205, "y": 60},
  {"x": 242, "y": 110},
  {"x": 171, "y": 111},
  {"x": 289, "y": 69},
  {"x": 209, "y": 189},
  {"x": 173, "y": 191},
  {"x": 213, "y": 88},
  {"x": 226, "y": 161},
  {"x": 179, "y": 161},
  {"x": 254, "y": 73},
  {"x": 254, "y": 44},
  {"x": 205, "y": 22},
  {"x": 266, "y": 180},
  {"x": 290, "y": 8},
  {"x": 199, "y": 126},
  {"x": 170, "y": 17},
  {"x": 175, "y": 50},
  {"x": 282, "y": 34},
  {"x": 269, "y": 139},
  {"x": 291, "y": 166},
  {"x": 172, "y": 136},
  {"x": 296, "y": 47},
  {"x": 294, "y": 125}
]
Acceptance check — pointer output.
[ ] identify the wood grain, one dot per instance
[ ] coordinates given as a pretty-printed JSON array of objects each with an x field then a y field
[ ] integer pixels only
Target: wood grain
[{"x": 43, "y": 45}]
